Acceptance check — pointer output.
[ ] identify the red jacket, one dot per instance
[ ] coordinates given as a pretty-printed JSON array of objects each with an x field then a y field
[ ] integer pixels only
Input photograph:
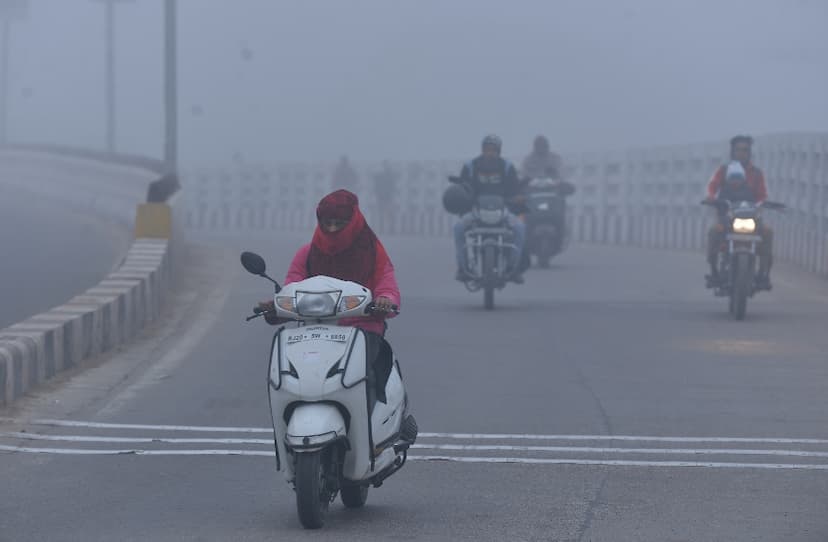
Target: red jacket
[
  {"x": 753, "y": 175},
  {"x": 383, "y": 284}
]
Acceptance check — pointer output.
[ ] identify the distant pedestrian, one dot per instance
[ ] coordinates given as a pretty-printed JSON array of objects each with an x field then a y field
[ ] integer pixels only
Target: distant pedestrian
[
  {"x": 345, "y": 177},
  {"x": 385, "y": 191}
]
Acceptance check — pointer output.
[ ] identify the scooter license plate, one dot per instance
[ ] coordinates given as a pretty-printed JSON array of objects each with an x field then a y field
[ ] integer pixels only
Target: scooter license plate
[{"x": 301, "y": 336}]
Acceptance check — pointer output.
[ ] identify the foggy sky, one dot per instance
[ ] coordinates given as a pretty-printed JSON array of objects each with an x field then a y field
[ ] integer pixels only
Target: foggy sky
[{"x": 425, "y": 78}]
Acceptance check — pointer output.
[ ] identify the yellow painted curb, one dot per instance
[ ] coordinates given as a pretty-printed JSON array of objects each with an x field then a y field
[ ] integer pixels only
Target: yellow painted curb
[{"x": 153, "y": 220}]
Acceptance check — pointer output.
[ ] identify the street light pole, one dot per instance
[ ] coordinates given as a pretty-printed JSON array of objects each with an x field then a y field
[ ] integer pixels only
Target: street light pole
[
  {"x": 4, "y": 79},
  {"x": 170, "y": 86},
  {"x": 110, "y": 75}
]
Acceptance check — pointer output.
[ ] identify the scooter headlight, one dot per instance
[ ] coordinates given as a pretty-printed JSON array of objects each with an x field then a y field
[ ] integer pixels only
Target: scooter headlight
[
  {"x": 744, "y": 225},
  {"x": 317, "y": 305}
]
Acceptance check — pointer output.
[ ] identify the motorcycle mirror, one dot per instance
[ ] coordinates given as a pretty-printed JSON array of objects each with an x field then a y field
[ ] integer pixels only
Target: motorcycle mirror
[{"x": 255, "y": 265}]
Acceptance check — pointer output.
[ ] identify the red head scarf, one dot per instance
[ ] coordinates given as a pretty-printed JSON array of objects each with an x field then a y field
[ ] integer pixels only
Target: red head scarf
[{"x": 350, "y": 253}]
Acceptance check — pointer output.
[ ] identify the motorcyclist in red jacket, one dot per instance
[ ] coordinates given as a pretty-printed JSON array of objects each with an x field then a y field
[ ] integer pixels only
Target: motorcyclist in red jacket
[{"x": 730, "y": 182}]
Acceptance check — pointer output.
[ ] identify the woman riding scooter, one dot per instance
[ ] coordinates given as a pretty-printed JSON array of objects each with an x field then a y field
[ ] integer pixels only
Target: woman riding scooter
[{"x": 345, "y": 247}]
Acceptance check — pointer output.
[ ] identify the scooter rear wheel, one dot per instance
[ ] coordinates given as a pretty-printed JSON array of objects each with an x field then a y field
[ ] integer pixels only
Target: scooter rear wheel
[{"x": 353, "y": 495}]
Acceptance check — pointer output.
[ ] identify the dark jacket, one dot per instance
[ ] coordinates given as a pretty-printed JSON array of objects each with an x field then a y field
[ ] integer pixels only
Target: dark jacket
[{"x": 496, "y": 177}]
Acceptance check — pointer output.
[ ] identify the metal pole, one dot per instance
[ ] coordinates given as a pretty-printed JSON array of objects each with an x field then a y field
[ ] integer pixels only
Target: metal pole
[
  {"x": 110, "y": 75},
  {"x": 170, "y": 86},
  {"x": 4, "y": 80}
]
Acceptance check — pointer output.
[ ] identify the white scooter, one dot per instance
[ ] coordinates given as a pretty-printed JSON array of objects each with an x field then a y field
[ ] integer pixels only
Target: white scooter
[{"x": 337, "y": 400}]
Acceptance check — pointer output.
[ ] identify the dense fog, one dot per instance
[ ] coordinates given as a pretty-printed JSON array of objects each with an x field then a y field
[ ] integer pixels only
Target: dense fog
[{"x": 263, "y": 80}]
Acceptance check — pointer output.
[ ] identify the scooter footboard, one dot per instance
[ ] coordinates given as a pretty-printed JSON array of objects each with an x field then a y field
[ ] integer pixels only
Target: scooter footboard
[{"x": 314, "y": 425}]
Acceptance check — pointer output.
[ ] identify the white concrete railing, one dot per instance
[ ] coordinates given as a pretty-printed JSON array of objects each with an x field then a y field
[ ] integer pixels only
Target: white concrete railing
[
  {"x": 108, "y": 314},
  {"x": 646, "y": 198}
]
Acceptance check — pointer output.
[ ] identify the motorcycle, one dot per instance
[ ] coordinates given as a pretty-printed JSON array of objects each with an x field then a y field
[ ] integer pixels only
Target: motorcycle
[
  {"x": 547, "y": 234},
  {"x": 489, "y": 247},
  {"x": 738, "y": 255},
  {"x": 337, "y": 400}
]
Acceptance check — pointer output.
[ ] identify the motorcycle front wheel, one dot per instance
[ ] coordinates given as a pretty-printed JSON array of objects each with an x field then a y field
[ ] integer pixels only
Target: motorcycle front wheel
[
  {"x": 489, "y": 261},
  {"x": 742, "y": 283}
]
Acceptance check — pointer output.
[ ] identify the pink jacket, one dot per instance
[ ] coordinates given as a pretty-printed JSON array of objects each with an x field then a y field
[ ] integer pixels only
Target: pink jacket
[{"x": 385, "y": 285}]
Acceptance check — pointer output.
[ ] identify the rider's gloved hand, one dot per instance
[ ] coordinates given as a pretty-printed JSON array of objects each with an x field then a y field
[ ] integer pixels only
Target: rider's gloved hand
[
  {"x": 270, "y": 308},
  {"x": 383, "y": 304}
]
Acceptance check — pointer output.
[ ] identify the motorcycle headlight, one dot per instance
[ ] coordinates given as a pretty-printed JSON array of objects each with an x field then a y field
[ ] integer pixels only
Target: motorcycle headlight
[
  {"x": 490, "y": 216},
  {"x": 317, "y": 305},
  {"x": 744, "y": 225}
]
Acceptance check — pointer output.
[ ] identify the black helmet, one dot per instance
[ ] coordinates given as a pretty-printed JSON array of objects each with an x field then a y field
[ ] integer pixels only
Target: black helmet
[
  {"x": 492, "y": 140},
  {"x": 457, "y": 199},
  {"x": 741, "y": 138},
  {"x": 541, "y": 145}
]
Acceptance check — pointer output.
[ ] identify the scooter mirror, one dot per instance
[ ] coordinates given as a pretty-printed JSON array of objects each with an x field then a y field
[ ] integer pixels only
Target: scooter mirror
[{"x": 253, "y": 263}]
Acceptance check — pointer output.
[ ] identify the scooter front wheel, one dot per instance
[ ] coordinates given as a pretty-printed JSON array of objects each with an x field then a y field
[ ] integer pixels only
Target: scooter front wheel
[{"x": 312, "y": 497}]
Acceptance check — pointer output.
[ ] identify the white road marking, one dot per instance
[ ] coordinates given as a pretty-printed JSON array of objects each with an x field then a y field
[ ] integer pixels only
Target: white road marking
[
  {"x": 591, "y": 450},
  {"x": 619, "y": 463},
  {"x": 134, "y": 440},
  {"x": 81, "y": 451},
  {"x": 454, "y": 436},
  {"x": 435, "y": 458},
  {"x": 428, "y": 446},
  {"x": 132, "y": 426},
  {"x": 632, "y": 438}
]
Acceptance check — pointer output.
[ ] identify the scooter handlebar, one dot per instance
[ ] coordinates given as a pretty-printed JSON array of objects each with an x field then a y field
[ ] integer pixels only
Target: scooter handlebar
[{"x": 372, "y": 309}]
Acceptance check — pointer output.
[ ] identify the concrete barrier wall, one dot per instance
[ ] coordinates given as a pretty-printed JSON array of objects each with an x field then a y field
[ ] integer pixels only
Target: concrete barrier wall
[
  {"x": 648, "y": 198},
  {"x": 114, "y": 311}
]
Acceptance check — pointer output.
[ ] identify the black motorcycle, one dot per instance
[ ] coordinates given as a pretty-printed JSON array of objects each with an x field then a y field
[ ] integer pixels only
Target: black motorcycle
[
  {"x": 547, "y": 234},
  {"x": 489, "y": 245},
  {"x": 739, "y": 253}
]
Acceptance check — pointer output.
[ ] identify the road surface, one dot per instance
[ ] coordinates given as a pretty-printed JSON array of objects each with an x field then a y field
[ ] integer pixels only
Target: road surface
[{"x": 609, "y": 398}]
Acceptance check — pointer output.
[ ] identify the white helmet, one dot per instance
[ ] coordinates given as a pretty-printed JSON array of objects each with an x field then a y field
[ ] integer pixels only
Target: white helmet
[{"x": 735, "y": 172}]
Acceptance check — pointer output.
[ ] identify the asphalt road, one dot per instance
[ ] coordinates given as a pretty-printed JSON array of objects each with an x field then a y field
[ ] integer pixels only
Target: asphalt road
[
  {"x": 611, "y": 397},
  {"x": 48, "y": 254}
]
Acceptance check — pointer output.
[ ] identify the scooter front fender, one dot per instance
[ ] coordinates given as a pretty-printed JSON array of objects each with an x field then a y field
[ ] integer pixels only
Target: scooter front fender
[{"x": 313, "y": 426}]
